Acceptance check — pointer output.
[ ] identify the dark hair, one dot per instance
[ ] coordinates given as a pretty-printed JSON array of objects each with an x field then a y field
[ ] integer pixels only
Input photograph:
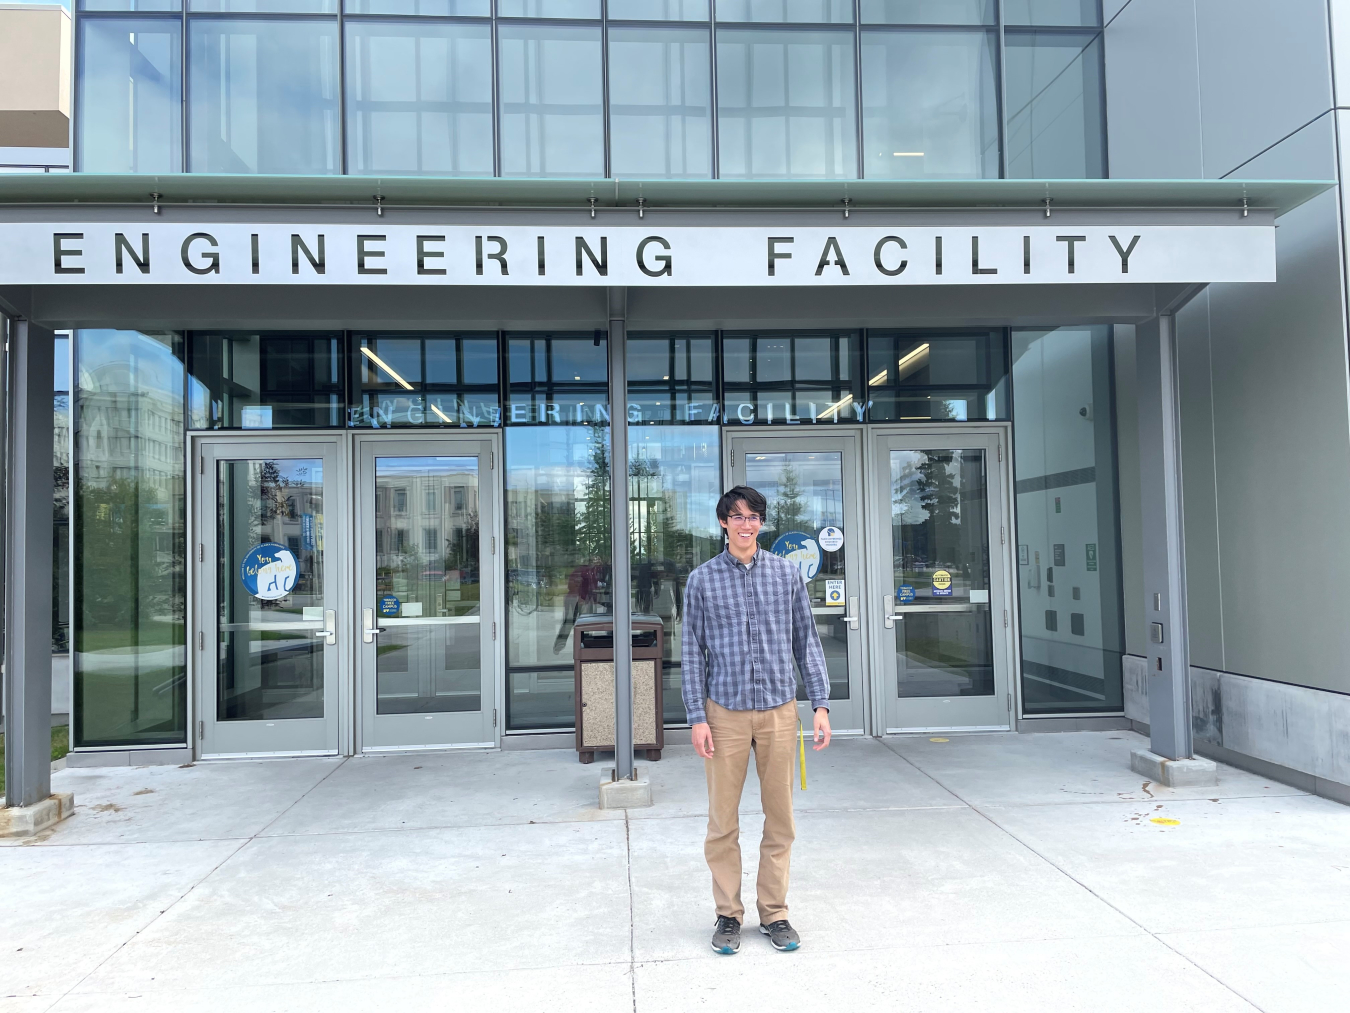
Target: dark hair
[{"x": 752, "y": 498}]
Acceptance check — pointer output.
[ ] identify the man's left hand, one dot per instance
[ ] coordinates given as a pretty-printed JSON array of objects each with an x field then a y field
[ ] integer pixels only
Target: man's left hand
[{"x": 821, "y": 729}]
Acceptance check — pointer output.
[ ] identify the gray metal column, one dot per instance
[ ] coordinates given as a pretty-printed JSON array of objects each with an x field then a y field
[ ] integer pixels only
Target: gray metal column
[
  {"x": 621, "y": 577},
  {"x": 28, "y": 566},
  {"x": 1168, "y": 642}
]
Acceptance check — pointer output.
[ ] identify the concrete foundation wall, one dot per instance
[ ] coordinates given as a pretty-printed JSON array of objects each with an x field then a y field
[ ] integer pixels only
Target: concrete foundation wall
[{"x": 1297, "y": 735}]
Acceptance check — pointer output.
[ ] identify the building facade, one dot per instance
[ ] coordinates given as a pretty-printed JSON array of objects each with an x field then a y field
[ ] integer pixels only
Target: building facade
[{"x": 343, "y": 281}]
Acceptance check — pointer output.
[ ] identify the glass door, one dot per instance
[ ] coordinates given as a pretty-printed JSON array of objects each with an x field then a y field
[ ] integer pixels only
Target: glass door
[
  {"x": 269, "y": 576},
  {"x": 940, "y": 581},
  {"x": 813, "y": 488},
  {"x": 426, "y": 587}
]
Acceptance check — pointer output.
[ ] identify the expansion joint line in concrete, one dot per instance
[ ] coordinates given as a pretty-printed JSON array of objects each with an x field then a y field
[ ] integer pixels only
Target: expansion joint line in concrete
[
  {"x": 632, "y": 937},
  {"x": 1074, "y": 879},
  {"x": 186, "y": 893}
]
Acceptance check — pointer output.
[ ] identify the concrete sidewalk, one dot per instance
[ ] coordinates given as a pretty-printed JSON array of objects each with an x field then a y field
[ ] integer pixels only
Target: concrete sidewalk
[{"x": 999, "y": 872}]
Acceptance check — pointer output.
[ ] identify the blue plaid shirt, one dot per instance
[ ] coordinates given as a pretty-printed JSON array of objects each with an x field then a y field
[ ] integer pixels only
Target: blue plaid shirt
[{"x": 743, "y": 628}]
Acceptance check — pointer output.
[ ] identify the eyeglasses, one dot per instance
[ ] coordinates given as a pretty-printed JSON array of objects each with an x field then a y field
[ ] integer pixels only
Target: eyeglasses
[{"x": 745, "y": 519}]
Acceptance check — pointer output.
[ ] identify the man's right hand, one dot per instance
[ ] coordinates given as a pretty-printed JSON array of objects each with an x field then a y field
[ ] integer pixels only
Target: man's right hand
[{"x": 702, "y": 737}]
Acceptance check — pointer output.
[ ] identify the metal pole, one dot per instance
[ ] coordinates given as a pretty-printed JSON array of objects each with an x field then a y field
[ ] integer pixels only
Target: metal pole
[
  {"x": 1168, "y": 641},
  {"x": 621, "y": 578},
  {"x": 28, "y": 567}
]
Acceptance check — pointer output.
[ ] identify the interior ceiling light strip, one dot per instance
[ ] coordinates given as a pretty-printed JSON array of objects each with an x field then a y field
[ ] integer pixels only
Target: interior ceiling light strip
[
  {"x": 392, "y": 372},
  {"x": 839, "y": 405},
  {"x": 912, "y": 362}
]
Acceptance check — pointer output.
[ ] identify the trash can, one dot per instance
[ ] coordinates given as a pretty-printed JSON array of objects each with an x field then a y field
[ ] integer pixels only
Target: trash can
[{"x": 593, "y": 661}]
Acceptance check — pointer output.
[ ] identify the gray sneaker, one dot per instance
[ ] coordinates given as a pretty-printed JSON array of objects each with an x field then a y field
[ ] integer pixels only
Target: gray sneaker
[
  {"x": 727, "y": 935},
  {"x": 782, "y": 935}
]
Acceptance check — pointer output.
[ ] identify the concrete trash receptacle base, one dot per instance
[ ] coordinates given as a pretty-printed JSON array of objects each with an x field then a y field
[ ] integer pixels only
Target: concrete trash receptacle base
[
  {"x": 625, "y": 794},
  {"x": 1196, "y": 772},
  {"x": 25, "y": 821}
]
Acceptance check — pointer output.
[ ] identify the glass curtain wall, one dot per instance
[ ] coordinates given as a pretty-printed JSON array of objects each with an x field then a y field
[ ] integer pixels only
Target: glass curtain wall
[
  {"x": 661, "y": 106},
  {"x": 419, "y": 98},
  {"x": 805, "y": 89},
  {"x": 930, "y": 104},
  {"x": 557, "y": 516},
  {"x": 129, "y": 565},
  {"x": 263, "y": 94},
  {"x": 130, "y": 76},
  {"x": 130, "y": 404},
  {"x": 674, "y": 481},
  {"x": 1056, "y": 98},
  {"x": 552, "y": 99},
  {"x": 1068, "y": 526}
]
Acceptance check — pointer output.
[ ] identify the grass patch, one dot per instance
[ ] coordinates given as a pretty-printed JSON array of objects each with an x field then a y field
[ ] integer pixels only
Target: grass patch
[{"x": 60, "y": 747}]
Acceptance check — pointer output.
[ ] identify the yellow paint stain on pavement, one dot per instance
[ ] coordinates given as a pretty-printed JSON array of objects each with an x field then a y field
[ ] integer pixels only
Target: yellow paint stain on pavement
[
  {"x": 1164, "y": 821},
  {"x": 939, "y": 740}
]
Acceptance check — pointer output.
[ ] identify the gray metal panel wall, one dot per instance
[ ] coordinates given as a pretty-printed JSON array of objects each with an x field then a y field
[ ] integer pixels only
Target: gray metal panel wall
[
  {"x": 1195, "y": 88},
  {"x": 1245, "y": 91},
  {"x": 1281, "y": 443},
  {"x": 1265, "y": 71},
  {"x": 1204, "y": 595}
]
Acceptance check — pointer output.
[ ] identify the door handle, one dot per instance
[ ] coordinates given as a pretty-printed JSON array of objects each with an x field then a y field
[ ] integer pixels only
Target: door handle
[
  {"x": 368, "y": 627},
  {"x": 853, "y": 619},
  {"x": 888, "y": 610},
  {"x": 329, "y": 631}
]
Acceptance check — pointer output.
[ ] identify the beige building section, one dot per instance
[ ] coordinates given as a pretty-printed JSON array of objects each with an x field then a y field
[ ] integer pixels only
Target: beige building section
[{"x": 34, "y": 76}]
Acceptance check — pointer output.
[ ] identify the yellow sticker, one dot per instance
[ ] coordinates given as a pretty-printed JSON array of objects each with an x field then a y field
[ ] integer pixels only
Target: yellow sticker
[
  {"x": 942, "y": 579},
  {"x": 939, "y": 740},
  {"x": 1164, "y": 821}
]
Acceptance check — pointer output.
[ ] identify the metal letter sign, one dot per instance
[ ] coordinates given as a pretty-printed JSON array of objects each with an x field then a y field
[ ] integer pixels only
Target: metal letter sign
[
  {"x": 200, "y": 253},
  {"x": 269, "y": 571}
]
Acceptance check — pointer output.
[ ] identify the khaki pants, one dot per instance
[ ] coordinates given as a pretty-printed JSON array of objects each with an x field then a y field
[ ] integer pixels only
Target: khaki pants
[{"x": 773, "y": 736}]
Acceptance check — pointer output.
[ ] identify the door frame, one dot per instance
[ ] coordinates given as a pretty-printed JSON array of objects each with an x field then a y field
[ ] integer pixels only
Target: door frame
[
  {"x": 879, "y": 534},
  {"x": 494, "y": 474},
  {"x": 872, "y": 631},
  {"x": 199, "y": 571},
  {"x": 863, "y": 700},
  {"x": 196, "y": 618}
]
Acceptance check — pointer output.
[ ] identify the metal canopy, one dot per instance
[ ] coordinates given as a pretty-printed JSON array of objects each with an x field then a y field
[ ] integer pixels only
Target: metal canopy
[{"x": 1279, "y": 196}]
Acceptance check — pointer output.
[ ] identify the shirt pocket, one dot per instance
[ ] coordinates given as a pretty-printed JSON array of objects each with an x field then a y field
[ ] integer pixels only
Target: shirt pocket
[
  {"x": 776, "y": 608},
  {"x": 726, "y": 615}
]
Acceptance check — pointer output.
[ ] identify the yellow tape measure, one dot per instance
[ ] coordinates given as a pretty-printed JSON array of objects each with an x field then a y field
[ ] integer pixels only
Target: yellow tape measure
[{"x": 801, "y": 751}]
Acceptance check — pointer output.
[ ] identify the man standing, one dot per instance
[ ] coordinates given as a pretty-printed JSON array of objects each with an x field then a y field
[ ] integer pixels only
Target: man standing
[{"x": 747, "y": 618}]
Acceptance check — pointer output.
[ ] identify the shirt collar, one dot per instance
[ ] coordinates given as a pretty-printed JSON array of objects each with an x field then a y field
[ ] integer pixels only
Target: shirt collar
[{"x": 733, "y": 561}]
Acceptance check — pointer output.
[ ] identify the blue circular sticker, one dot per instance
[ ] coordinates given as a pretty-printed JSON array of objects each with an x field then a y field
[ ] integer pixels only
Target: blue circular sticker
[
  {"x": 269, "y": 571},
  {"x": 390, "y": 606},
  {"x": 800, "y": 549},
  {"x": 904, "y": 594}
]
